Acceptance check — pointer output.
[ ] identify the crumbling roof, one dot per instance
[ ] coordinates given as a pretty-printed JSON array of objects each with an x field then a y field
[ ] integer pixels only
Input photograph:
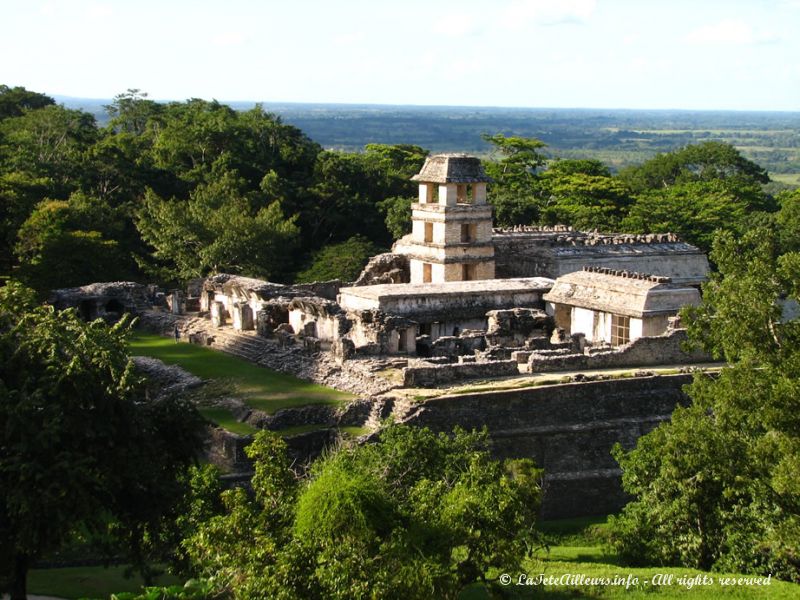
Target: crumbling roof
[
  {"x": 314, "y": 305},
  {"x": 242, "y": 287},
  {"x": 452, "y": 168},
  {"x": 475, "y": 287},
  {"x": 561, "y": 236},
  {"x": 428, "y": 302},
  {"x": 127, "y": 291},
  {"x": 621, "y": 292}
]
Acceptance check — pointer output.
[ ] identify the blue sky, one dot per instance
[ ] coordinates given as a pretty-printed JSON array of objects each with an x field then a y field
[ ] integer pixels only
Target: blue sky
[{"x": 684, "y": 54}]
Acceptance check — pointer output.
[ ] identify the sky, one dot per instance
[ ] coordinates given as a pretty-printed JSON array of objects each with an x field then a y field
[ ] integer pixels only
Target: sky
[{"x": 643, "y": 54}]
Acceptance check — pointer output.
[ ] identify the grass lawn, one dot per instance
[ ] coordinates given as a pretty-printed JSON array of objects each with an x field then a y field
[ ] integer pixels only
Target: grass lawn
[
  {"x": 224, "y": 418},
  {"x": 349, "y": 430},
  {"x": 87, "y": 582},
  {"x": 577, "y": 549},
  {"x": 260, "y": 388}
]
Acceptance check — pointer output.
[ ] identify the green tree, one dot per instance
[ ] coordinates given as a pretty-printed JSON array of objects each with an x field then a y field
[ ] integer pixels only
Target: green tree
[
  {"x": 716, "y": 487},
  {"x": 583, "y": 194},
  {"x": 79, "y": 445},
  {"x": 697, "y": 162},
  {"x": 787, "y": 221},
  {"x": 221, "y": 228},
  {"x": 19, "y": 194},
  {"x": 48, "y": 142},
  {"x": 417, "y": 515},
  {"x": 131, "y": 111},
  {"x": 516, "y": 192},
  {"x": 64, "y": 244},
  {"x": 694, "y": 210},
  {"x": 15, "y": 101},
  {"x": 344, "y": 261},
  {"x": 397, "y": 211}
]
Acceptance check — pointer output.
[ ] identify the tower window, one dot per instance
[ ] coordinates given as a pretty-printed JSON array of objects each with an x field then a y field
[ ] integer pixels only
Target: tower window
[
  {"x": 469, "y": 231},
  {"x": 468, "y": 271},
  {"x": 428, "y": 232},
  {"x": 426, "y": 273}
]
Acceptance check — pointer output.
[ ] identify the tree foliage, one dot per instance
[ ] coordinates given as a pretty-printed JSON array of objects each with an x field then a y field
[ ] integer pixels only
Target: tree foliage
[
  {"x": 706, "y": 161},
  {"x": 417, "y": 515},
  {"x": 584, "y": 200},
  {"x": 221, "y": 228},
  {"x": 716, "y": 487},
  {"x": 15, "y": 101},
  {"x": 695, "y": 211},
  {"x": 79, "y": 448},
  {"x": 516, "y": 192},
  {"x": 343, "y": 261}
]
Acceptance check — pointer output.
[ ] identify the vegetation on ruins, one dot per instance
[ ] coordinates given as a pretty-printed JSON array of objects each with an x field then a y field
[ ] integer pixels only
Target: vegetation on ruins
[
  {"x": 716, "y": 487},
  {"x": 83, "y": 453},
  {"x": 414, "y": 515},
  {"x": 169, "y": 191}
]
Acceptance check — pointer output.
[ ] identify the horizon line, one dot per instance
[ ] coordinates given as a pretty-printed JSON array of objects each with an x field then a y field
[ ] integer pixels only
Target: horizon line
[{"x": 434, "y": 106}]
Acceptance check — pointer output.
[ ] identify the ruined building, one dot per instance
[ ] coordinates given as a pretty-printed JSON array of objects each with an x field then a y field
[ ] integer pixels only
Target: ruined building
[
  {"x": 458, "y": 301},
  {"x": 438, "y": 287},
  {"x": 616, "y": 307}
]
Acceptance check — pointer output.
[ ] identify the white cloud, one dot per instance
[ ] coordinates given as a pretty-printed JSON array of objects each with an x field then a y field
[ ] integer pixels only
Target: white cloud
[
  {"x": 349, "y": 39},
  {"x": 48, "y": 9},
  {"x": 228, "y": 39},
  {"x": 456, "y": 25},
  {"x": 99, "y": 11},
  {"x": 731, "y": 32},
  {"x": 631, "y": 39},
  {"x": 521, "y": 13}
]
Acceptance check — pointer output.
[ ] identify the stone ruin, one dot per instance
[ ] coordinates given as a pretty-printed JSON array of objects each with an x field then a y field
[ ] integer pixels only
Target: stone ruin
[
  {"x": 108, "y": 301},
  {"x": 385, "y": 268}
]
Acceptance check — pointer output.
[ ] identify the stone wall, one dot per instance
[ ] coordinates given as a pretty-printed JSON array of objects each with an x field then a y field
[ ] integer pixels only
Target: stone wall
[
  {"x": 645, "y": 351},
  {"x": 441, "y": 374},
  {"x": 568, "y": 429},
  {"x": 546, "y": 252}
]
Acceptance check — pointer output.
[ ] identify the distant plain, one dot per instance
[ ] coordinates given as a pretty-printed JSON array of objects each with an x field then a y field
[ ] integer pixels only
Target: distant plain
[{"x": 616, "y": 137}]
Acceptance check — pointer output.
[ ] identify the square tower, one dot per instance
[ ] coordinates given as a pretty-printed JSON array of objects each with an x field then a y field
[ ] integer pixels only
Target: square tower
[{"x": 451, "y": 236}]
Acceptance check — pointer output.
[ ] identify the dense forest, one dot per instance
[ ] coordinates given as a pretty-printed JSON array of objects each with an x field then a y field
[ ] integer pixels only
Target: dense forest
[{"x": 164, "y": 192}]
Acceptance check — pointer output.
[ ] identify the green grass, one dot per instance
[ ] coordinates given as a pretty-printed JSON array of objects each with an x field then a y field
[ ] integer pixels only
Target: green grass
[
  {"x": 350, "y": 430},
  {"x": 87, "y": 582},
  {"x": 224, "y": 418},
  {"x": 577, "y": 548},
  {"x": 260, "y": 388}
]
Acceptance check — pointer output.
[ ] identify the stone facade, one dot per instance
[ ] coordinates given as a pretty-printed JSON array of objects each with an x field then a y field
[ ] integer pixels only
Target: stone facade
[
  {"x": 444, "y": 308},
  {"x": 556, "y": 251},
  {"x": 451, "y": 236},
  {"x": 616, "y": 307}
]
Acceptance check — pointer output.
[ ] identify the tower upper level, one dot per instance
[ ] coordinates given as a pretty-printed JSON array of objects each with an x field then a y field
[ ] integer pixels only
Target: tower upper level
[{"x": 450, "y": 179}]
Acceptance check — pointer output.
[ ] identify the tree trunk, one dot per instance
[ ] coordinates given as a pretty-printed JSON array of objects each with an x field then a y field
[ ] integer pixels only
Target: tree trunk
[{"x": 19, "y": 580}]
